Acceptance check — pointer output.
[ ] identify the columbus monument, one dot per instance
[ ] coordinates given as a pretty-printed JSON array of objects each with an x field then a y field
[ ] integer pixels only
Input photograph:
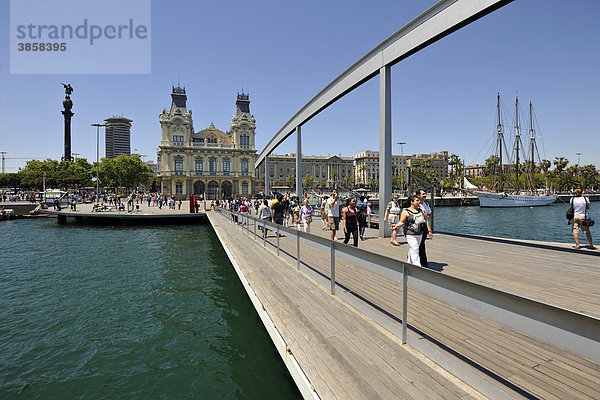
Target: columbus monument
[{"x": 67, "y": 104}]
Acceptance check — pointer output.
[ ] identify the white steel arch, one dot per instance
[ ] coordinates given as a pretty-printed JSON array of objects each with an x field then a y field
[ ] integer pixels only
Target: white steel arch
[{"x": 440, "y": 20}]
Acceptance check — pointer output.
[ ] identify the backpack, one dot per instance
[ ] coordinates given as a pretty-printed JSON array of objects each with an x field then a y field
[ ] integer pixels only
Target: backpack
[{"x": 570, "y": 212}]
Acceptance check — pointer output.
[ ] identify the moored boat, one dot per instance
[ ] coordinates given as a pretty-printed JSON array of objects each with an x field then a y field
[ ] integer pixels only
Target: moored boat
[{"x": 516, "y": 199}]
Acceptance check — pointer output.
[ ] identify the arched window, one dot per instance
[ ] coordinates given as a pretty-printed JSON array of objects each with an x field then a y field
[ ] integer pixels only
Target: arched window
[
  {"x": 226, "y": 189},
  {"x": 213, "y": 188},
  {"x": 199, "y": 187},
  {"x": 178, "y": 187}
]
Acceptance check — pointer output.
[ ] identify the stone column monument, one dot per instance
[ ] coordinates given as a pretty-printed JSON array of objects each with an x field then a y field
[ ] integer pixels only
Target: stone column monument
[{"x": 67, "y": 104}]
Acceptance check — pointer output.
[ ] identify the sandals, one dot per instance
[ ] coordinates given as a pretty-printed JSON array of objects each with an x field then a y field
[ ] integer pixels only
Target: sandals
[{"x": 395, "y": 243}]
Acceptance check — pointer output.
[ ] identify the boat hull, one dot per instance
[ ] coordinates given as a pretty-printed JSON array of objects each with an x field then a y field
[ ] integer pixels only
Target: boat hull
[{"x": 490, "y": 199}]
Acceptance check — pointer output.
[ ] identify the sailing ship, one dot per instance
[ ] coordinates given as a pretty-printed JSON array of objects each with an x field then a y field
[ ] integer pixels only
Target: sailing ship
[{"x": 517, "y": 199}]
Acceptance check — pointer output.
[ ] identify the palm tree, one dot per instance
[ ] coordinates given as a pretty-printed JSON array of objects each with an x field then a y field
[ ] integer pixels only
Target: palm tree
[
  {"x": 308, "y": 180},
  {"x": 560, "y": 163},
  {"x": 334, "y": 176},
  {"x": 290, "y": 180}
]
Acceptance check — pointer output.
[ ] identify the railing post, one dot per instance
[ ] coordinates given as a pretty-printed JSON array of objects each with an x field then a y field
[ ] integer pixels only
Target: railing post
[
  {"x": 277, "y": 239},
  {"x": 264, "y": 234},
  {"x": 297, "y": 250},
  {"x": 404, "y": 301},
  {"x": 332, "y": 246},
  {"x": 254, "y": 221}
]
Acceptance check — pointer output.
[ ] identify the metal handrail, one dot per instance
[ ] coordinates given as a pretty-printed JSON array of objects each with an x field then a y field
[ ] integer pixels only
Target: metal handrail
[{"x": 569, "y": 330}]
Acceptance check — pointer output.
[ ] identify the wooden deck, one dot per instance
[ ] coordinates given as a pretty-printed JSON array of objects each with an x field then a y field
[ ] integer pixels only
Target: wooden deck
[{"x": 346, "y": 356}]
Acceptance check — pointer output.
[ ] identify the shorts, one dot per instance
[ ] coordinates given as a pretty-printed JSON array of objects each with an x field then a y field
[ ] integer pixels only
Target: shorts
[
  {"x": 334, "y": 223},
  {"x": 577, "y": 224}
]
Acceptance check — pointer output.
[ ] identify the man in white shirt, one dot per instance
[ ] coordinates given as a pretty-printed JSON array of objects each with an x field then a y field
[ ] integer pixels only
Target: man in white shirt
[
  {"x": 425, "y": 207},
  {"x": 580, "y": 206},
  {"x": 333, "y": 215}
]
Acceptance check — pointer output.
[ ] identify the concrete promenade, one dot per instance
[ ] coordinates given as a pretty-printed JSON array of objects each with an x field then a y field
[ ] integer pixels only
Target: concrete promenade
[
  {"x": 332, "y": 347},
  {"x": 142, "y": 214}
]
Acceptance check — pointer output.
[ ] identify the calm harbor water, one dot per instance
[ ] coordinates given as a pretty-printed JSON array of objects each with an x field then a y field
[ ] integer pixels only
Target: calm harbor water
[
  {"x": 546, "y": 223},
  {"x": 128, "y": 313}
]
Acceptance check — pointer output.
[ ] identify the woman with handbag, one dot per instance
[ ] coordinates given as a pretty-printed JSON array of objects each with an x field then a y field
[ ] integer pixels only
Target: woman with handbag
[
  {"x": 581, "y": 205},
  {"x": 306, "y": 214},
  {"x": 392, "y": 216}
]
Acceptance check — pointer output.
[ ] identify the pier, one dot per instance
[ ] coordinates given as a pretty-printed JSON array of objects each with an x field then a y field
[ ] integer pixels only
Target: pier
[
  {"x": 495, "y": 318},
  {"x": 140, "y": 215}
]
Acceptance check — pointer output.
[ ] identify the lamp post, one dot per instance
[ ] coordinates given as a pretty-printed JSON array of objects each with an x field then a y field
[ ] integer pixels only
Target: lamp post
[
  {"x": 578, "y": 159},
  {"x": 98, "y": 160},
  {"x": 403, "y": 160}
]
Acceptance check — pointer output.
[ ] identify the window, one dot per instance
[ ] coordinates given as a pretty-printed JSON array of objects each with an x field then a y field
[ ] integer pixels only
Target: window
[
  {"x": 244, "y": 166},
  {"x": 199, "y": 165},
  {"x": 178, "y": 187},
  {"x": 179, "y": 165},
  {"x": 245, "y": 139},
  {"x": 244, "y": 187},
  {"x": 178, "y": 139},
  {"x": 212, "y": 165},
  {"x": 198, "y": 140},
  {"x": 226, "y": 165},
  {"x": 211, "y": 140}
]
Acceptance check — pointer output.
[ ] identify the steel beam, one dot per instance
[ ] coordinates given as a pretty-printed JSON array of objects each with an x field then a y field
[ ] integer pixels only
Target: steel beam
[
  {"x": 299, "y": 191},
  {"x": 385, "y": 146}
]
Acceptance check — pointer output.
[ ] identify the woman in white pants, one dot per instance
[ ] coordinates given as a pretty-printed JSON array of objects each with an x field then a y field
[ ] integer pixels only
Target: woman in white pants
[
  {"x": 306, "y": 214},
  {"x": 415, "y": 222}
]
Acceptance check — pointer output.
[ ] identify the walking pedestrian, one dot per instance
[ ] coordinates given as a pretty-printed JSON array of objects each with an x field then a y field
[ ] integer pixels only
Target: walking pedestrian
[
  {"x": 350, "y": 221},
  {"x": 414, "y": 221},
  {"x": 324, "y": 212},
  {"x": 581, "y": 205},
  {"x": 333, "y": 214},
  {"x": 279, "y": 210},
  {"x": 361, "y": 209},
  {"x": 306, "y": 214},
  {"x": 392, "y": 216},
  {"x": 427, "y": 209}
]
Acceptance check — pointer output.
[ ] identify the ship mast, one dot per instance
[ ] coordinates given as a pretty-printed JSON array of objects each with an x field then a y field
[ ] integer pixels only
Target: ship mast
[
  {"x": 517, "y": 140},
  {"x": 500, "y": 142},
  {"x": 532, "y": 139}
]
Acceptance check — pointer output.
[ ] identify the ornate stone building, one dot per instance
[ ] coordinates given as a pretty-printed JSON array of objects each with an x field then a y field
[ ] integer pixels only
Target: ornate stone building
[
  {"x": 211, "y": 162},
  {"x": 324, "y": 171},
  {"x": 366, "y": 167}
]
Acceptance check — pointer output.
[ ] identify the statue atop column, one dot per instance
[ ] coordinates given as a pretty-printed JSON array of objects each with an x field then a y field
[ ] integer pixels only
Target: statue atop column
[{"x": 67, "y": 104}]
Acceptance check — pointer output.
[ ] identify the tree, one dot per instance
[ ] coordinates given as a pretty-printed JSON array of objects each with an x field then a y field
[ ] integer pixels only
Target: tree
[
  {"x": 290, "y": 180},
  {"x": 125, "y": 171},
  {"x": 334, "y": 176},
  {"x": 456, "y": 164},
  {"x": 545, "y": 166},
  {"x": 308, "y": 180},
  {"x": 560, "y": 163},
  {"x": 9, "y": 180}
]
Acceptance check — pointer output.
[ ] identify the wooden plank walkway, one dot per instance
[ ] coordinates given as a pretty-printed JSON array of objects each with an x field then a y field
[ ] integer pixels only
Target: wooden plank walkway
[
  {"x": 342, "y": 354},
  {"x": 523, "y": 366}
]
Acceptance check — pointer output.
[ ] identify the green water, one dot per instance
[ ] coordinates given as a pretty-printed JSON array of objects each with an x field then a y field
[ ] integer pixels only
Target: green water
[
  {"x": 546, "y": 223},
  {"x": 128, "y": 313}
]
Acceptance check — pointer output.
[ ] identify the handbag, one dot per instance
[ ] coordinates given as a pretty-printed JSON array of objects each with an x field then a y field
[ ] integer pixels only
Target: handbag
[{"x": 587, "y": 221}]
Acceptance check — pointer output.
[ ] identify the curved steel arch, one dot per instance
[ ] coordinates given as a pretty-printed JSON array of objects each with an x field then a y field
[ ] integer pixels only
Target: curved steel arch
[{"x": 439, "y": 21}]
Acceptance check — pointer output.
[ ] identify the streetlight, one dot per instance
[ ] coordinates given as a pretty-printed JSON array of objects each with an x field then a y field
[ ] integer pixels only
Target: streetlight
[
  {"x": 98, "y": 160},
  {"x": 403, "y": 160},
  {"x": 578, "y": 159}
]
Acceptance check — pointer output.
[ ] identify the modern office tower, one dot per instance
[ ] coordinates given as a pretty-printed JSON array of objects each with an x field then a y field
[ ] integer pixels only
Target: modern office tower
[{"x": 118, "y": 136}]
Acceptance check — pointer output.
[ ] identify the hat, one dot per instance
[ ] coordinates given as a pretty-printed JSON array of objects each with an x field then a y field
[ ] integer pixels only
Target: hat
[{"x": 578, "y": 191}]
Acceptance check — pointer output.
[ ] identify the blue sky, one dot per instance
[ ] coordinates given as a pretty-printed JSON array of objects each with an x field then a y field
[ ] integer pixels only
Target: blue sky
[{"x": 285, "y": 52}]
